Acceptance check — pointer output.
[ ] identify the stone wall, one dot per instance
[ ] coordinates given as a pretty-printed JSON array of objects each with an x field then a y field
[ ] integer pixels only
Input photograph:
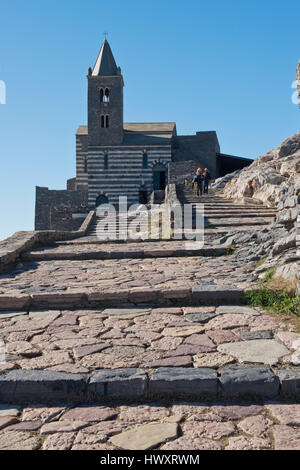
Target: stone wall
[
  {"x": 201, "y": 148},
  {"x": 54, "y": 209},
  {"x": 178, "y": 171}
]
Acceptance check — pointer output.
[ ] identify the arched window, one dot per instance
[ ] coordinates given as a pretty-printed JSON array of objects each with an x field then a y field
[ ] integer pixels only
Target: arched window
[
  {"x": 102, "y": 122},
  {"x": 101, "y": 95},
  {"x": 106, "y": 96},
  {"x": 145, "y": 161},
  {"x": 106, "y": 121},
  {"x": 106, "y": 162}
]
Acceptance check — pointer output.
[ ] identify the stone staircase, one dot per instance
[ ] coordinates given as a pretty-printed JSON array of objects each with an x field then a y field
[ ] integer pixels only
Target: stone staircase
[{"x": 222, "y": 215}]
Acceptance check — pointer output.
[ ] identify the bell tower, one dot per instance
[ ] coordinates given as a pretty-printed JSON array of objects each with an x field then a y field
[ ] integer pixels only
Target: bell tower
[{"x": 105, "y": 100}]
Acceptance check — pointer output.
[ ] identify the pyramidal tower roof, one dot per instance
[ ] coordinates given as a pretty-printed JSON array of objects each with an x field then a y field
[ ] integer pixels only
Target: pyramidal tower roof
[{"x": 105, "y": 64}]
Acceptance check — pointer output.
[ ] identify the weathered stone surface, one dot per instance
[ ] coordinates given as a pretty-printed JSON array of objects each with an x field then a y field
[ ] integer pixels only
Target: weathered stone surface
[
  {"x": 175, "y": 361},
  {"x": 9, "y": 410},
  {"x": 48, "y": 359},
  {"x": 9, "y": 314},
  {"x": 90, "y": 414},
  {"x": 23, "y": 348},
  {"x": 59, "y": 441},
  {"x": 38, "y": 385},
  {"x": 255, "y": 425},
  {"x": 63, "y": 426},
  {"x": 83, "y": 351},
  {"x": 211, "y": 430},
  {"x": 214, "y": 360},
  {"x": 247, "y": 443},
  {"x": 212, "y": 294},
  {"x": 185, "y": 382},
  {"x": 290, "y": 381},
  {"x": 261, "y": 350},
  {"x": 119, "y": 382},
  {"x": 17, "y": 440},
  {"x": 166, "y": 343},
  {"x": 187, "y": 350},
  {"x": 126, "y": 313},
  {"x": 42, "y": 413},
  {"x": 202, "y": 341},
  {"x": 288, "y": 414},
  {"x": 230, "y": 320},
  {"x": 199, "y": 317},
  {"x": 183, "y": 331},
  {"x": 142, "y": 413},
  {"x": 236, "y": 412},
  {"x": 89, "y": 447},
  {"x": 190, "y": 442},
  {"x": 98, "y": 433},
  {"x": 286, "y": 438},
  {"x": 145, "y": 437},
  {"x": 248, "y": 381},
  {"x": 25, "y": 426},
  {"x": 223, "y": 336},
  {"x": 236, "y": 309},
  {"x": 288, "y": 338},
  {"x": 7, "y": 421},
  {"x": 250, "y": 335}
]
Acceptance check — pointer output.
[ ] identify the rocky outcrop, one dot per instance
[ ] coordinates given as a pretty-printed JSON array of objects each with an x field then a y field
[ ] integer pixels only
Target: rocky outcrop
[{"x": 272, "y": 179}]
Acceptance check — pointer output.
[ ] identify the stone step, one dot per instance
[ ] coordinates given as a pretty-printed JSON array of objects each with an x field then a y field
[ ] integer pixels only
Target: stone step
[{"x": 151, "y": 253}]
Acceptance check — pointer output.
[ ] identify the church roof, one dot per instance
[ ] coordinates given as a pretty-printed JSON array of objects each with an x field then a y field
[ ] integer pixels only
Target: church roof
[
  {"x": 105, "y": 65},
  {"x": 143, "y": 133}
]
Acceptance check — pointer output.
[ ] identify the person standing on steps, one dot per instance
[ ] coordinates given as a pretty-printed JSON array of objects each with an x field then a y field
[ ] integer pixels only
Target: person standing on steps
[
  {"x": 206, "y": 179},
  {"x": 198, "y": 180}
]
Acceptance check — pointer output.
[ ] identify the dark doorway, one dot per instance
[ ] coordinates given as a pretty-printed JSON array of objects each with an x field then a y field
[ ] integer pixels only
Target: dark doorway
[{"x": 159, "y": 179}]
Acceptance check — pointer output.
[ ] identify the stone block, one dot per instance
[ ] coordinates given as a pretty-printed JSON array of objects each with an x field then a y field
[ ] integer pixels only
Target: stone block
[
  {"x": 36, "y": 385},
  {"x": 214, "y": 294},
  {"x": 177, "y": 382},
  {"x": 248, "y": 381},
  {"x": 290, "y": 382},
  {"x": 127, "y": 383}
]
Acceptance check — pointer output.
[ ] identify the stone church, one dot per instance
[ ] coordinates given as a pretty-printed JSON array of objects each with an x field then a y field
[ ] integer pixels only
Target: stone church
[{"x": 115, "y": 158}]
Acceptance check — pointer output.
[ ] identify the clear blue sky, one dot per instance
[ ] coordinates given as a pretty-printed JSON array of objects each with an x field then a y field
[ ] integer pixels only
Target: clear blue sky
[{"x": 208, "y": 65}]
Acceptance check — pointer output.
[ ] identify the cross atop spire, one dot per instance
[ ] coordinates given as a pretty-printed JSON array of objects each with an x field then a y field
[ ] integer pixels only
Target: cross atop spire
[{"x": 105, "y": 64}]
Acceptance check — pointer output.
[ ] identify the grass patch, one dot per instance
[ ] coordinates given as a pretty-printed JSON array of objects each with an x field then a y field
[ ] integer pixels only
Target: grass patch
[
  {"x": 277, "y": 301},
  {"x": 260, "y": 263}
]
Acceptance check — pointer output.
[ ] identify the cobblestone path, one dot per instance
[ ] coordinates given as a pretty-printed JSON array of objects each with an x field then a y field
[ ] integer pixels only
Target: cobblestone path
[{"x": 165, "y": 374}]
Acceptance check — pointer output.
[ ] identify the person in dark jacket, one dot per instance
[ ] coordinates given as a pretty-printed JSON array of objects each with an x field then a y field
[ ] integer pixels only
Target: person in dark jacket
[
  {"x": 206, "y": 179},
  {"x": 198, "y": 180}
]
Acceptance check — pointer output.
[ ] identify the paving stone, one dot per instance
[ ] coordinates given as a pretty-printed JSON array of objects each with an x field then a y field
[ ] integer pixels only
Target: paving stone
[
  {"x": 23, "y": 348},
  {"x": 222, "y": 336},
  {"x": 201, "y": 340},
  {"x": 7, "y": 421},
  {"x": 166, "y": 343},
  {"x": 25, "y": 426},
  {"x": 286, "y": 438},
  {"x": 176, "y": 361},
  {"x": 42, "y": 413},
  {"x": 250, "y": 335},
  {"x": 248, "y": 381},
  {"x": 11, "y": 314},
  {"x": 199, "y": 317},
  {"x": 89, "y": 447},
  {"x": 211, "y": 430},
  {"x": 236, "y": 309},
  {"x": 191, "y": 443},
  {"x": 213, "y": 359},
  {"x": 247, "y": 443},
  {"x": 255, "y": 425},
  {"x": 83, "y": 351},
  {"x": 142, "y": 413},
  {"x": 39, "y": 385},
  {"x": 288, "y": 414},
  {"x": 17, "y": 440},
  {"x": 198, "y": 310},
  {"x": 59, "y": 441},
  {"x": 9, "y": 410},
  {"x": 236, "y": 412},
  {"x": 48, "y": 359},
  {"x": 183, "y": 331},
  {"x": 89, "y": 414},
  {"x": 228, "y": 321},
  {"x": 128, "y": 382},
  {"x": 288, "y": 338},
  {"x": 214, "y": 294},
  {"x": 69, "y": 368},
  {"x": 145, "y": 437},
  {"x": 263, "y": 351},
  {"x": 184, "y": 382},
  {"x": 98, "y": 433},
  {"x": 290, "y": 381},
  {"x": 187, "y": 350},
  {"x": 126, "y": 313},
  {"x": 265, "y": 322},
  {"x": 62, "y": 426}
]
